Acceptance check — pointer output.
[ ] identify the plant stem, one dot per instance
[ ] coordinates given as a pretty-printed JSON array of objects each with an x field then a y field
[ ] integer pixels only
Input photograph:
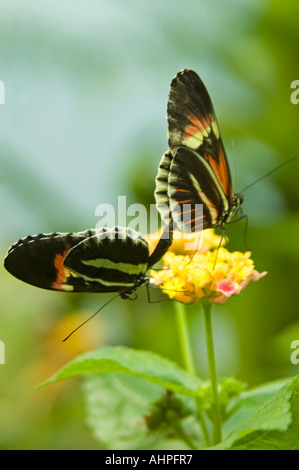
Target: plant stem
[
  {"x": 184, "y": 337},
  {"x": 181, "y": 317},
  {"x": 207, "y": 306}
]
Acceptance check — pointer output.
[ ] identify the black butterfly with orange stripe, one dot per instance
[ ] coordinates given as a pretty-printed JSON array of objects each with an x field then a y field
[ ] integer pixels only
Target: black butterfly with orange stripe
[
  {"x": 97, "y": 260},
  {"x": 195, "y": 170},
  {"x": 102, "y": 260}
]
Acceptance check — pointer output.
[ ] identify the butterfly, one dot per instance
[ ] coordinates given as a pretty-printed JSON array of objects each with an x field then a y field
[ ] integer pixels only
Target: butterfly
[
  {"x": 97, "y": 260},
  {"x": 193, "y": 184}
]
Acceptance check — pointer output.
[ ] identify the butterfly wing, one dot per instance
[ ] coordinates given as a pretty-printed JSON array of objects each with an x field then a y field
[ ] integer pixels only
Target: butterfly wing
[
  {"x": 162, "y": 187},
  {"x": 163, "y": 244},
  {"x": 192, "y": 123},
  {"x": 52, "y": 261},
  {"x": 195, "y": 197},
  {"x": 38, "y": 260},
  {"x": 188, "y": 192},
  {"x": 116, "y": 259}
]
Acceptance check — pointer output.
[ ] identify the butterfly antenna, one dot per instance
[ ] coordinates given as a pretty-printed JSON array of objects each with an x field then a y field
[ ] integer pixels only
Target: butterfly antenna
[
  {"x": 267, "y": 174},
  {"x": 88, "y": 319}
]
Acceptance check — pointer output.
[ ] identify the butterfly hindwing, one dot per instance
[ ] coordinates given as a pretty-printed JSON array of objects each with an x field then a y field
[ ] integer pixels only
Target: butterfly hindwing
[
  {"x": 195, "y": 198},
  {"x": 162, "y": 186},
  {"x": 116, "y": 259}
]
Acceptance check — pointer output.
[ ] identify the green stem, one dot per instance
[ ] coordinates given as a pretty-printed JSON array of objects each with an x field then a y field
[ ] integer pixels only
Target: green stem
[
  {"x": 181, "y": 317},
  {"x": 207, "y": 306},
  {"x": 184, "y": 337}
]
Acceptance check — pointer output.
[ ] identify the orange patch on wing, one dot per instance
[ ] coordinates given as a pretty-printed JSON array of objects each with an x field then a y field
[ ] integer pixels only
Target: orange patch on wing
[
  {"x": 221, "y": 171},
  {"x": 196, "y": 218},
  {"x": 190, "y": 211},
  {"x": 187, "y": 201},
  {"x": 197, "y": 125},
  {"x": 190, "y": 131},
  {"x": 62, "y": 272}
]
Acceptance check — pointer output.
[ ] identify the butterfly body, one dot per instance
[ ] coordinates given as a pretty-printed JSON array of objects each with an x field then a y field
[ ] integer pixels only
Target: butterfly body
[{"x": 194, "y": 172}]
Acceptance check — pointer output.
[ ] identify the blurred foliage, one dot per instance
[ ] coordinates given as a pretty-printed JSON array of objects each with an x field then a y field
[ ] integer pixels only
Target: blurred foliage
[{"x": 86, "y": 86}]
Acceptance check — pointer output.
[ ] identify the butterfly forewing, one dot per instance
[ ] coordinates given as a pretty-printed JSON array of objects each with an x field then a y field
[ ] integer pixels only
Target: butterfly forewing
[
  {"x": 163, "y": 244},
  {"x": 192, "y": 123},
  {"x": 190, "y": 111},
  {"x": 38, "y": 259},
  {"x": 197, "y": 166}
]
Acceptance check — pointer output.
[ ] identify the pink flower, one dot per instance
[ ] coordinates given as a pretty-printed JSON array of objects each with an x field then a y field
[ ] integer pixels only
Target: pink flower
[{"x": 226, "y": 288}]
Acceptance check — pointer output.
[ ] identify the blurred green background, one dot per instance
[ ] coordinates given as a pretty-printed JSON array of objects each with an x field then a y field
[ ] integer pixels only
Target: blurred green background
[{"x": 84, "y": 120}]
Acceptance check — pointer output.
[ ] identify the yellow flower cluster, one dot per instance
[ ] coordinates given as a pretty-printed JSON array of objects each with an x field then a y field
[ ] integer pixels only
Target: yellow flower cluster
[{"x": 213, "y": 275}]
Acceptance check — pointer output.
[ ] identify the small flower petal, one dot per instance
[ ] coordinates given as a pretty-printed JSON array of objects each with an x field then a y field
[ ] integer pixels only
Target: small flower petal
[{"x": 253, "y": 276}]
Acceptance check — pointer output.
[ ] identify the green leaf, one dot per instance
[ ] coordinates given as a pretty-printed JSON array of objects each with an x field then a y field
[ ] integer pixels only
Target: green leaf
[
  {"x": 243, "y": 406},
  {"x": 123, "y": 360},
  {"x": 120, "y": 409},
  {"x": 116, "y": 409},
  {"x": 273, "y": 425}
]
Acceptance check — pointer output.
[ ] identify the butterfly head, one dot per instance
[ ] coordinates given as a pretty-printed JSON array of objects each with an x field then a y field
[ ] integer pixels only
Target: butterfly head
[
  {"x": 236, "y": 204},
  {"x": 238, "y": 200}
]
